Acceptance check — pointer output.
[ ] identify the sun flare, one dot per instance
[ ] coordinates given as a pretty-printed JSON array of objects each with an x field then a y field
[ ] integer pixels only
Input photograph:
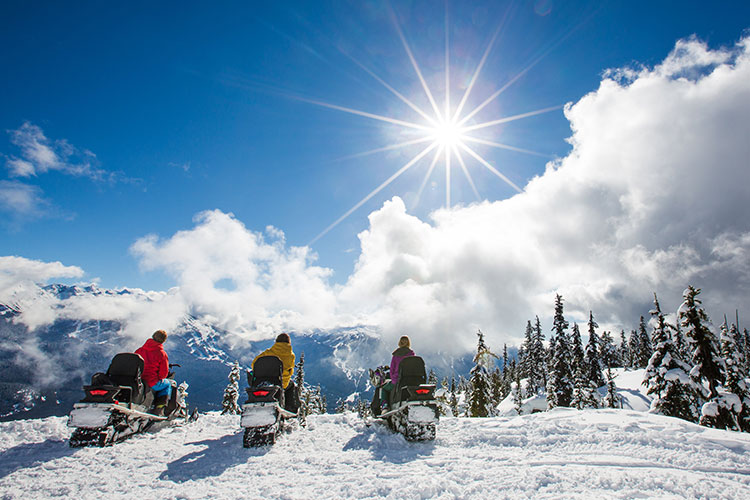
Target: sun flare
[{"x": 445, "y": 133}]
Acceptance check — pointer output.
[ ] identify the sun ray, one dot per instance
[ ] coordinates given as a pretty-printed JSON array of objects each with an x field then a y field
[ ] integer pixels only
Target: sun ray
[
  {"x": 505, "y": 146},
  {"x": 376, "y": 191},
  {"x": 512, "y": 118},
  {"x": 385, "y": 148},
  {"x": 490, "y": 167},
  {"x": 447, "y": 66},
  {"x": 364, "y": 113},
  {"x": 479, "y": 67},
  {"x": 395, "y": 92},
  {"x": 447, "y": 177},
  {"x": 426, "y": 177},
  {"x": 414, "y": 62},
  {"x": 466, "y": 173}
]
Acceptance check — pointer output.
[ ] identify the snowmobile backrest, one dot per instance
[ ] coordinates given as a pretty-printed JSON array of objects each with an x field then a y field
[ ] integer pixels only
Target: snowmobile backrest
[
  {"x": 267, "y": 369},
  {"x": 125, "y": 370},
  {"x": 411, "y": 371}
]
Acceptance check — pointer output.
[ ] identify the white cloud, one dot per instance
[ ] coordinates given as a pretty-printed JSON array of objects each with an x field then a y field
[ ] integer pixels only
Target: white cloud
[
  {"x": 652, "y": 197},
  {"x": 273, "y": 287},
  {"x": 40, "y": 155},
  {"x": 15, "y": 270},
  {"x": 21, "y": 200}
]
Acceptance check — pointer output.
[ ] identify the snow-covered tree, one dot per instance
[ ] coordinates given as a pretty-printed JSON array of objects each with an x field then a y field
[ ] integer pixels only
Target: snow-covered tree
[
  {"x": 538, "y": 376},
  {"x": 708, "y": 365},
  {"x": 232, "y": 392},
  {"x": 592, "y": 361},
  {"x": 302, "y": 391},
  {"x": 517, "y": 393},
  {"x": 576, "y": 351},
  {"x": 625, "y": 360},
  {"x": 612, "y": 399},
  {"x": 633, "y": 349},
  {"x": 432, "y": 378},
  {"x": 526, "y": 353},
  {"x": 560, "y": 382},
  {"x": 645, "y": 348},
  {"x": 667, "y": 377},
  {"x": 735, "y": 378},
  {"x": 480, "y": 398},
  {"x": 608, "y": 351},
  {"x": 453, "y": 399},
  {"x": 497, "y": 387}
]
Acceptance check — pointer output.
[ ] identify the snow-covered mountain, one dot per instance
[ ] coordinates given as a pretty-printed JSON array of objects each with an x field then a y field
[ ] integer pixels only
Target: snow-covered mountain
[
  {"x": 43, "y": 367},
  {"x": 564, "y": 453}
]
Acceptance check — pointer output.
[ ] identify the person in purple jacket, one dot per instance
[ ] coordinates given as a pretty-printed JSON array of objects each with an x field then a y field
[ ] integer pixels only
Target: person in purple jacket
[{"x": 403, "y": 351}]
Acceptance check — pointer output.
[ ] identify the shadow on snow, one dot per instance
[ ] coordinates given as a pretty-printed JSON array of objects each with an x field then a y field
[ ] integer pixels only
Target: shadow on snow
[
  {"x": 27, "y": 455},
  {"x": 217, "y": 456},
  {"x": 388, "y": 446}
]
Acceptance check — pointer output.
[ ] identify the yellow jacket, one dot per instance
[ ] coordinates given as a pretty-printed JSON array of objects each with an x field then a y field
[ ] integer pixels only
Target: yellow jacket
[{"x": 283, "y": 351}]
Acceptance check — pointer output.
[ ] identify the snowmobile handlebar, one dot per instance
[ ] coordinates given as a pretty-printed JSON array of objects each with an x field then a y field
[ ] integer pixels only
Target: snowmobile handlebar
[{"x": 175, "y": 364}]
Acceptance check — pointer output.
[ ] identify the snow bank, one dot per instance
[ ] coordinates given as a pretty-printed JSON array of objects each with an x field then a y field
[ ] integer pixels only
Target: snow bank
[{"x": 559, "y": 454}]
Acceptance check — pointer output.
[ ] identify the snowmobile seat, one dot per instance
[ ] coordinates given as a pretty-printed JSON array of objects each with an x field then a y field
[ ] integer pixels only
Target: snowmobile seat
[
  {"x": 125, "y": 371},
  {"x": 411, "y": 372},
  {"x": 267, "y": 369}
]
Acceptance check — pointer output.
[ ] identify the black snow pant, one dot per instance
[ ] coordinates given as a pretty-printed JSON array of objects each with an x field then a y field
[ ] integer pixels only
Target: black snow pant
[{"x": 291, "y": 398}]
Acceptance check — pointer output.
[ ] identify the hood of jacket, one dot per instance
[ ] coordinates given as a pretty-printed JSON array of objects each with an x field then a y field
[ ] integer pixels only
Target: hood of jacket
[
  {"x": 403, "y": 351},
  {"x": 152, "y": 345}
]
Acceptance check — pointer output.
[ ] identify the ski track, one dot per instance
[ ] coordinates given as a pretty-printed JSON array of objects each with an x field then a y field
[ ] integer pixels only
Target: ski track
[{"x": 559, "y": 454}]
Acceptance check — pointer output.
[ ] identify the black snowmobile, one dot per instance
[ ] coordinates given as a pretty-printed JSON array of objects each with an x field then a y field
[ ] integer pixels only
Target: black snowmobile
[
  {"x": 412, "y": 409},
  {"x": 117, "y": 404},
  {"x": 264, "y": 414}
]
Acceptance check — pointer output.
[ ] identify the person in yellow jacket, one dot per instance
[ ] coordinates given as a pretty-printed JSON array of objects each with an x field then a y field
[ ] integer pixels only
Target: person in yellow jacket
[{"x": 282, "y": 349}]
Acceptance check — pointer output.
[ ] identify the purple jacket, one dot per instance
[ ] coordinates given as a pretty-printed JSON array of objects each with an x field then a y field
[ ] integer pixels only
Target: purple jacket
[{"x": 398, "y": 355}]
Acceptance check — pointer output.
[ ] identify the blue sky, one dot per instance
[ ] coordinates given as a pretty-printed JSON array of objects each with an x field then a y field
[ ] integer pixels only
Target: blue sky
[{"x": 190, "y": 108}]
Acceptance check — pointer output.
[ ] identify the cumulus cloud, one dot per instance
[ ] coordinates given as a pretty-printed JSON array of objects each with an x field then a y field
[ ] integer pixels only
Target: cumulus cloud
[
  {"x": 653, "y": 196},
  {"x": 239, "y": 279}
]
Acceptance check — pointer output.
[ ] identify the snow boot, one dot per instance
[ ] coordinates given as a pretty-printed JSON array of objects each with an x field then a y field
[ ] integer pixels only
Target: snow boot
[{"x": 160, "y": 405}]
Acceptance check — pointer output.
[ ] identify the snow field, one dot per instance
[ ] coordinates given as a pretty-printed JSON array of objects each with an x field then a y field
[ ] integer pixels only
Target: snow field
[{"x": 561, "y": 454}]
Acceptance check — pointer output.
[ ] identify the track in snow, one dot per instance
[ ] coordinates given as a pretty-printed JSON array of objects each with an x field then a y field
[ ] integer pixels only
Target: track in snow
[{"x": 560, "y": 454}]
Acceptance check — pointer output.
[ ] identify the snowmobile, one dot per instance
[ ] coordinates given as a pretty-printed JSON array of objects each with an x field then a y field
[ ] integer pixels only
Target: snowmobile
[
  {"x": 264, "y": 414},
  {"x": 412, "y": 409},
  {"x": 117, "y": 404}
]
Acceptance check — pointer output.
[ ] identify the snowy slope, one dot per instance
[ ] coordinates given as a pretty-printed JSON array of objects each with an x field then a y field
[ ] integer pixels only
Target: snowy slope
[{"x": 561, "y": 454}]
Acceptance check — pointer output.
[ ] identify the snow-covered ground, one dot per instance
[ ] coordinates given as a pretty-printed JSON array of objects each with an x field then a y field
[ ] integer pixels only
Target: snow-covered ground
[{"x": 560, "y": 454}]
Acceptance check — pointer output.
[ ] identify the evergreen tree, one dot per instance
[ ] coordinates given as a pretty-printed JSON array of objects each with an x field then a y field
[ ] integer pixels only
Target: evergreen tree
[
  {"x": 608, "y": 351},
  {"x": 593, "y": 362},
  {"x": 577, "y": 357},
  {"x": 560, "y": 383},
  {"x": 302, "y": 391},
  {"x": 633, "y": 349},
  {"x": 517, "y": 393},
  {"x": 453, "y": 400},
  {"x": 480, "y": 399},
  {"x": 680, "y": 343},
  {"x": 644, "y": 345},
  {"x": 527, "y": 360},
  {"x": 674, "y": 391},
  {"x": 432, "y": 378},
  {"x": 496, "y": 387},
  {"x": 708, "y": 366},
  {"x": 747, "y": 351},
  {"x": 612, "y": 399},
  {"x": 538, "y": 376},
  {"x": 232, "y": 392},
  {"x": 735, "y": 383},
  {"x": 624, "y": 352}
]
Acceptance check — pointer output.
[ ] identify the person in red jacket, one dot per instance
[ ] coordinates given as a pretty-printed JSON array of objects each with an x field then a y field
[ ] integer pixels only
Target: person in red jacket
[{"x": 155, "y": 370}]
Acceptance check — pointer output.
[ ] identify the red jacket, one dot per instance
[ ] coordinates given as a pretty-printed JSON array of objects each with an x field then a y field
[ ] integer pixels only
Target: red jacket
[{"x": 155, "y": 362}]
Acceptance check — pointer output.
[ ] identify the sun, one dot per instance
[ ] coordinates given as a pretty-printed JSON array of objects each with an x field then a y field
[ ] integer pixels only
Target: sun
[{"x": 447, "y": 132}]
